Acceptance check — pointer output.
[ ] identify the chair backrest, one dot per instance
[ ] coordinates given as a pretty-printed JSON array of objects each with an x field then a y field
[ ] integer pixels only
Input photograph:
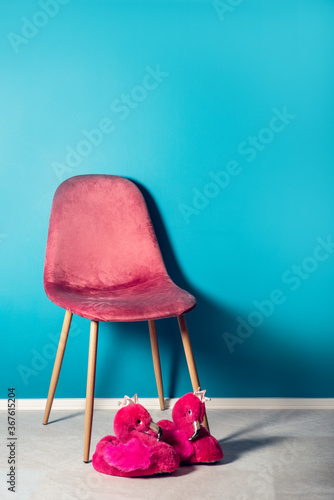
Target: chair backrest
[{"x": 100, "y": 235}]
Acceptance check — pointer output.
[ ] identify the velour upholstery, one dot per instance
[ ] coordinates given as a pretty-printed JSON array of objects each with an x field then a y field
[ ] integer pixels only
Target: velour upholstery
[{"x": 102, "y": 259}]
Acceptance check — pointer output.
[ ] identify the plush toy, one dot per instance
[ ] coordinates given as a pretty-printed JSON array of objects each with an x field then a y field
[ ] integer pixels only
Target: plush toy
[
  {"x": 190, "y": 439},
  {"x": 134, "y": 452}
]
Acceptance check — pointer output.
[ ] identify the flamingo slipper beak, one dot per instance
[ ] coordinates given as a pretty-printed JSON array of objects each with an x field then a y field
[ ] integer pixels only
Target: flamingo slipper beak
[
  {"x": 197, "y": 429},
  {"x": 155, "y": 428}
]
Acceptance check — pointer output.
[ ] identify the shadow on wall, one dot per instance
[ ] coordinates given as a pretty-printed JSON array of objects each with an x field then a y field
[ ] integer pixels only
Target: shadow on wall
[{"x": 206, "y": 323}]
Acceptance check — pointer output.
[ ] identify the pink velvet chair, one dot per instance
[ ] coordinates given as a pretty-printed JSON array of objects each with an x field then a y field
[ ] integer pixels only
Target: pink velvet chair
[{"x": 103, "y": 263}]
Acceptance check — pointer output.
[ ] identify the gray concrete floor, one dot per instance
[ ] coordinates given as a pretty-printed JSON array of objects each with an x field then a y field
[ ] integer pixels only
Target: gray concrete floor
[{"x": 269, "y": 455}]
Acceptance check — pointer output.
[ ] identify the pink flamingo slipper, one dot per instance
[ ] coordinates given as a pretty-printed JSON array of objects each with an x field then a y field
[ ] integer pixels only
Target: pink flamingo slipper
[
  {"x": 190, "y": 439},
  {"x": 134, "y": 452}
]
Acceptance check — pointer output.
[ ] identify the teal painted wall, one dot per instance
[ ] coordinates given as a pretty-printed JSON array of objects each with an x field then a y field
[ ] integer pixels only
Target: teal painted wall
[{"x": 223, "y": 112}]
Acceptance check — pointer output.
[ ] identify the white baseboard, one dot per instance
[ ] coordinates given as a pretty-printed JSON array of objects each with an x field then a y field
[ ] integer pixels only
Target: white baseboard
[{"x": 153, "y": 403}]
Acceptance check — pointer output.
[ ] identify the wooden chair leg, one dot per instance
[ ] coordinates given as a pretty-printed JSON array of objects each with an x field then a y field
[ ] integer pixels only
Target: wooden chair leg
[
  {"x": 57, "y": 365},
  {"x": 156, "y": 362},
  {"x": 94, "y": 327},
  {"x": 190, "y": 358}
]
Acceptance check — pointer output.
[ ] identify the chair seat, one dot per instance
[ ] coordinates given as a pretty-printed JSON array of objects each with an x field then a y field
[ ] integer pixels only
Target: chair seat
[{"x": 154, "y": 299}]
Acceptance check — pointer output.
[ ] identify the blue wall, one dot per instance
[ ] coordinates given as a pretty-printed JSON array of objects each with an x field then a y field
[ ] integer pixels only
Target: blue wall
[{"x": 223, "y": 112}]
